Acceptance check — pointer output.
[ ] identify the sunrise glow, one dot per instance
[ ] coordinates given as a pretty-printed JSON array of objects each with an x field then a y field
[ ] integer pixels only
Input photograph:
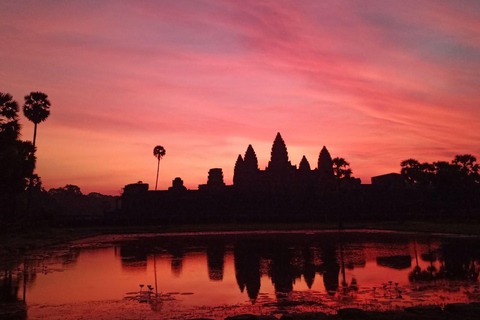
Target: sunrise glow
[{"x": 376, "y": 82}]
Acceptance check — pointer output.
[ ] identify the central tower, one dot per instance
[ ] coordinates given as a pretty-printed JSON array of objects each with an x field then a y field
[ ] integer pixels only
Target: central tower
[{"x": 280, "y": 171}]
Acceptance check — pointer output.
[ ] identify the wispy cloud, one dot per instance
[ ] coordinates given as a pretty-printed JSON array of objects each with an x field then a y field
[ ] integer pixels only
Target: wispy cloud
[{"x": 375, "y": 81}]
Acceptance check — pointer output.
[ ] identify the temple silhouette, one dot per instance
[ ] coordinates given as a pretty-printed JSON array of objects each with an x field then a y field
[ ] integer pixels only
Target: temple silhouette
[
  {"x": 280, "y": 192},
  {"x": 280, "y": 174},
  {"x": 283, "y": 192}
]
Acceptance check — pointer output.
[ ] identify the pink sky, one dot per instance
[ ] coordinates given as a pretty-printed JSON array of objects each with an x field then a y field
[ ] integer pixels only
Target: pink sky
[{"x": 377, "y": 82}]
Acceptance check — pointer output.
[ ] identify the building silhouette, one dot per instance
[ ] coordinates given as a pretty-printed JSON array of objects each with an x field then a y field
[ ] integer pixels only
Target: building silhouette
[
  {"x": 280, "y": 174},
  {"x": 280, "y": 192}
]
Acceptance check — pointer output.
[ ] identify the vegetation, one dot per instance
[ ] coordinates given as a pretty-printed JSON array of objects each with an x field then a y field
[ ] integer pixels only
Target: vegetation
[
  {"x": 17, "y": 159},
  {"x": 36, "y": 109},
  {"x": 461, "y": 171},
  {"x": 159, "y": 153},
  {"x": 341, "y": 168}
]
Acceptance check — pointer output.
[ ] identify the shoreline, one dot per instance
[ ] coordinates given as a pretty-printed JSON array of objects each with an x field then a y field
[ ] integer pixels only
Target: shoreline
[{"x": 15, "y": 245}]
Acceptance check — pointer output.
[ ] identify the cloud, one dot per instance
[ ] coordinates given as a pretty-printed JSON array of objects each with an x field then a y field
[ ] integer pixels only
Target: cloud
[{"x": 375, "y": 81}]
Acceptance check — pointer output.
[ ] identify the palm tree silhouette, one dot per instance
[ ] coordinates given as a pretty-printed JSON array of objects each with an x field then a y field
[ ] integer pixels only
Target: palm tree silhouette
[
  {"x": 158, "y": 152},
  {"x": 36, "y": 109},
  {"x": 9, "y": 126}
]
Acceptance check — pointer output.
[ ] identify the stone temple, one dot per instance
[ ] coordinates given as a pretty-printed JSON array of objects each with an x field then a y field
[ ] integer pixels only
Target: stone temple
[
  {"x": 280, "y": 192},
  {"x": 280, "y": 173}
]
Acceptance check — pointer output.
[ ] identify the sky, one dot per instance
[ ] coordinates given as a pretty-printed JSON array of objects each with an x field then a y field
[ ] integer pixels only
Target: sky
[{"x": 376, "y": 82}]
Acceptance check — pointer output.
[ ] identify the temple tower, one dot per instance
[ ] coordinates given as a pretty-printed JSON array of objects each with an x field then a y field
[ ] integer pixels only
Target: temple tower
[
  {"x": 250, "y": 160},
  {"x": 305, "y": 176},
  {"x": 238, "y": 171},
  {"x": 304, "y": 165},
  {"x": 279, "y": 156},
  {"x": 215, "y": 179},
  {"x": 325, "y": 167},
  {"x": 280, "y": 171},
  {"x": 246, "y": 172}
]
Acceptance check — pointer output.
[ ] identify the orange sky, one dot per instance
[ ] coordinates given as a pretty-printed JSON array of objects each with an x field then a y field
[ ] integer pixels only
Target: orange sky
[{"x": 375, "y": 81}]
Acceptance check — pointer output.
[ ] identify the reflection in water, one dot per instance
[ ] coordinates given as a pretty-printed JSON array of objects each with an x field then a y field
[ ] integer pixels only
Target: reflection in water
[
  {"x": 176, "y": 255},
  {"x": 134, "y": 254},
  {"x": 9, "y": 287},
  {"x": 395, "y": 262},
  {"x": 247, "y": 269},
  {"x": 458, "y": 260},
  {"x": 11, "y": 305},
  {"x": 215, "y": 260},
  {"x": 330, "y": 269},
  {"x": 309, "y": 268}
]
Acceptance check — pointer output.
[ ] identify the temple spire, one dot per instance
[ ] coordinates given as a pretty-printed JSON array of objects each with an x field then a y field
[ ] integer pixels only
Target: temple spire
[
  {"x": 250, "y": 160},
  {"x": 279, "y": 155},
  {"x": 238, "y": 170},
  {"x": 325, "y": 165},
  {"x": 304, "y": 165}
]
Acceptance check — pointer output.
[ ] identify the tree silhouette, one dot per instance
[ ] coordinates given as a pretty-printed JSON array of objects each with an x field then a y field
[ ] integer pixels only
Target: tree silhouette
[
  {"x": 17, "y": 159},
  {"x": 36, "y": 109},
  {"x": 461, "y": 171},
  {"x": 468, "y": 167},
  {"x": 341, "y": 168},
  {"x": 417, "y": 173},
  {"x": 9, "y": 127},
  {"x": 159, "y": 153}
]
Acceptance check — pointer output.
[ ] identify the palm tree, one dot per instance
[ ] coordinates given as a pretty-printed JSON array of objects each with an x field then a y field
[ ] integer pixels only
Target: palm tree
[
  {"x": 158, "y": 152},
  {"x": 36, "y": 109},
  {"x": 9, "y": 127}
]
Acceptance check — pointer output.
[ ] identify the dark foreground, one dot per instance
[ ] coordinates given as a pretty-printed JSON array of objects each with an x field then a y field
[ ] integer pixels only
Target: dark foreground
[{"x": 451, "y": 311}]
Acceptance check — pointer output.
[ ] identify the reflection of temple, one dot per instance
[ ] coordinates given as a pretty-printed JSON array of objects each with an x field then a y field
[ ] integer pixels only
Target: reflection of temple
[
  {"x": 308, "y": 268},
  {"x": 134, "y": 255},
  {"x": 247, "y": 269},
  {"x": 176, "y": 260},
  {"x": 215, "y": 261},
  {"x": 329, "y": 268},
  {"x": 282, "y": 270}
]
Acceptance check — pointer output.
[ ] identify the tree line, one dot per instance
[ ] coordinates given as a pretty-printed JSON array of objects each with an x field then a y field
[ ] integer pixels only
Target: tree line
[
  {"x": 463, "y": 170},
  {"x": 17, "y": 157}
]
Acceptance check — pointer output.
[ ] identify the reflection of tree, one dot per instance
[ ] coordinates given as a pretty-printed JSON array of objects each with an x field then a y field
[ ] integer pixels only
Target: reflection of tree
[
  {"x": 398, "y": 262},
  {"x": 215, "y": 260},
  {"x": 458, "y": 261},
  {"x": 247, "y": 269},
  {"x": 428, "y": 274},
  {"x": 347, "y": 289},
  {"x": 9, "y": 287},
  {"x": 12, "y": 307}
]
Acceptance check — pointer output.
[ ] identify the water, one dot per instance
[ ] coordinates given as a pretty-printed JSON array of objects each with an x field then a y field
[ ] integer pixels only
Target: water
[{"x": 217, "y": 275}]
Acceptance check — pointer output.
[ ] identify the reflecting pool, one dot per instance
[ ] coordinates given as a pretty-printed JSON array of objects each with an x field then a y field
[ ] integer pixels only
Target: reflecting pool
[{"x": 215, "y": 275}]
